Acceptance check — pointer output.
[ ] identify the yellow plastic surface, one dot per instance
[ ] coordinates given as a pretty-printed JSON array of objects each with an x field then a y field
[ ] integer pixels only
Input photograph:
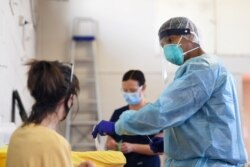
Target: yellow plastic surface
[
  {"x": 3, "y": 151},
  {"x": 99, "y": 158}
]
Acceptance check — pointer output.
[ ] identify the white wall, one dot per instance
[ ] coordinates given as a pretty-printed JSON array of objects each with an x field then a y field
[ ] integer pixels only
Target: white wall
[
  {"x": 124, "y": 38},
  {"x": 53, "y": 31},
  {"x": 17, "y": 45},
  {"x": 127, "y": 37}
]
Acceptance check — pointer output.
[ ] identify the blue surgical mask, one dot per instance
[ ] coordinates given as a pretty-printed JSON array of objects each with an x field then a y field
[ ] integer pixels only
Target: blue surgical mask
[
  {"x": 132, "y": 98},
  {"x": 174, "y": 53}
]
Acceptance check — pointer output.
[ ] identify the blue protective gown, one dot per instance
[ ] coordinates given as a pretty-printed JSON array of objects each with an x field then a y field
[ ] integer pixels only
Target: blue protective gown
[{"x": 199, "y": 114}]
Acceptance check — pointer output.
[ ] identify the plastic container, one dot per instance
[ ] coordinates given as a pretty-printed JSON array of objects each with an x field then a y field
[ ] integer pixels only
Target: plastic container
[
  {"x": 6, "y": 130},
  {"x": 84, "y": 29},
  {"x": 100, "y": 158},
  {"x": 3, "y": 153}
]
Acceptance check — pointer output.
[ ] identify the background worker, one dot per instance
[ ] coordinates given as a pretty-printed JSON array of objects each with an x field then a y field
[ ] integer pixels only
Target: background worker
[{"x": 135, "y": 148}]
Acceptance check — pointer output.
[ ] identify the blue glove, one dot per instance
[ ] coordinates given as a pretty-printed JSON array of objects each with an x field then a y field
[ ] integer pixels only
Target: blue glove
[
  {"x": 104, "y": 128},
  {"x": 157, "y": 145}
]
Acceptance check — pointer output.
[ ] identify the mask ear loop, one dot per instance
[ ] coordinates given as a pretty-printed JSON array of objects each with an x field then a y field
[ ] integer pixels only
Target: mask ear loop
[
  {"x": 140, "y": 88},
  {"x": 140, "y": 91},
  {"x": 188, "y": 50},
  {"x": 191, "y": 50}
]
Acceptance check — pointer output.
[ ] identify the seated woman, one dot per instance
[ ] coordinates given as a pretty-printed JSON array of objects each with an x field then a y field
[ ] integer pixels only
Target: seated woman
[{"x": 36, "y": 143}]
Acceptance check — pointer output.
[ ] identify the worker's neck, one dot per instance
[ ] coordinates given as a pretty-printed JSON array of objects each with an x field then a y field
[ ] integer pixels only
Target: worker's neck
[
  {"x": 194, "y": 53},
  {"x": 50, "y": 121}
]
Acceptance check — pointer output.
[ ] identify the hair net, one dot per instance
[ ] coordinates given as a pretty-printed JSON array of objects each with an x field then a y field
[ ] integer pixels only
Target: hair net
[{"x": 179, "y": 26}]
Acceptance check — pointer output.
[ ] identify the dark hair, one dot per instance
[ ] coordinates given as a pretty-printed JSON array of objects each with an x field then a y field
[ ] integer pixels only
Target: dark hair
[
  {"x": 136, "y": 75},
  {"x": 49, "y": 82}
]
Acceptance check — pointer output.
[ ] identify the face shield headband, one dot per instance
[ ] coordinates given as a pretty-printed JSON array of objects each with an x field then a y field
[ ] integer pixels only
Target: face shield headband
[
  {"x": 185, "y": 31},
  {"x": 68, "y": 93}
]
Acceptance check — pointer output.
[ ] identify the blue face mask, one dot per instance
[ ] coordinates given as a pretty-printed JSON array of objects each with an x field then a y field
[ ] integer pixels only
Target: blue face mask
[
  {"x": 132, "y": 98},
  {"x": 174, "y": 53}
]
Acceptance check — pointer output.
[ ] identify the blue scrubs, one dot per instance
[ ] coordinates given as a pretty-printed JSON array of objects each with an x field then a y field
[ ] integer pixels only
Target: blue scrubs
[
  {"x": 200, "y": 116},
  {"x": 135, "y": 159}
]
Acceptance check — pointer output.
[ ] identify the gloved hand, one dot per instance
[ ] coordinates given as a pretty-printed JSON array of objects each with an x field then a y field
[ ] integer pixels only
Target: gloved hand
[
  {"x": 104, "y": 128},
  {"x": 157, "y": 145}
]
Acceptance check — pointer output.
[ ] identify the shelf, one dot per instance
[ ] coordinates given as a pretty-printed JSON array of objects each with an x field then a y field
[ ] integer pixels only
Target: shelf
[
  {"x": 83, "y": 38},
  {"x": 83, "y": 50}
]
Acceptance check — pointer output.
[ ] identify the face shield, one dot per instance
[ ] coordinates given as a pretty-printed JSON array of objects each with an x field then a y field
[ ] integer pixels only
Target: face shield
[
  {"x": 166, "y": 67},
  {"x": 178, "y": 26}
]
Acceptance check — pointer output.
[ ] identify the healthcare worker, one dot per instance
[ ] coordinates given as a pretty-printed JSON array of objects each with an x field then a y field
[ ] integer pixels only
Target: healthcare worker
[
  {"x": 36, "y": 143},
  {"x": 135, "y": 148},
  {"x": 198, "y": 111}
]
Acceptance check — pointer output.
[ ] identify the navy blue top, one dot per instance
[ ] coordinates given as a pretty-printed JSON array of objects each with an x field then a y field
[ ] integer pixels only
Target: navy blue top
[{"x": 135, "y": 159}]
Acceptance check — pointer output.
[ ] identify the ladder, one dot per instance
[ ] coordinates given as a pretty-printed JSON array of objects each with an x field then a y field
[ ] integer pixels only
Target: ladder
[{"x": 79, "y": 125}]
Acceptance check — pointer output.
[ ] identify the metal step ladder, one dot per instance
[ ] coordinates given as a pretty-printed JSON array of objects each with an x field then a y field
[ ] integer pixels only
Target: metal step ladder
[{"x": 79, "y": 125}]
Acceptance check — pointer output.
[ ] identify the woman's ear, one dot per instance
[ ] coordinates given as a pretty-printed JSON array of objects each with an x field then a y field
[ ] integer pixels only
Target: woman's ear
[
  {"x": 144, "y": 87},
  {"x": 70, "y": 101}
]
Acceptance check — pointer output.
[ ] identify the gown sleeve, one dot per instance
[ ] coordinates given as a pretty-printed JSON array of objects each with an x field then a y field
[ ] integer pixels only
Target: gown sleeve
[{"x": 177, "y": 103}]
